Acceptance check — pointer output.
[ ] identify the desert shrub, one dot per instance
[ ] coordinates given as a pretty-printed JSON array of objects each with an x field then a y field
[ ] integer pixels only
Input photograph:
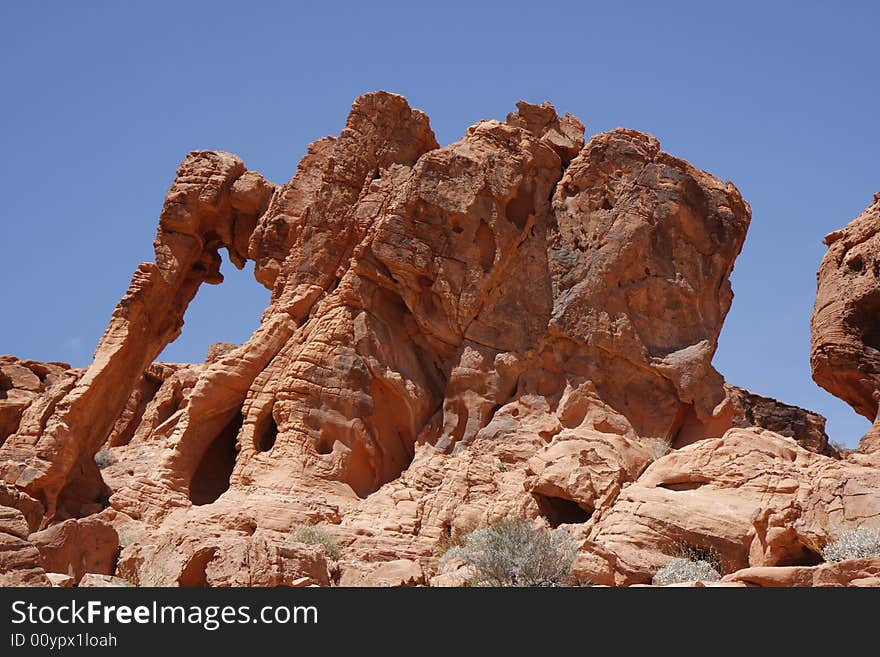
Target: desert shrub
[
  {"x": 690, "y": 563},
  {"x": 658, "y": 447},
  {"x": 454, "y": 535},
  {"x": 104, "y": 458},
  {"x": 686, "y": 570},
  {"x": 857, "y": 543},
  {"x": 838, "y": 447},
  {"x": 515, "y": 553},
  {"x": 314, "y": 535}
]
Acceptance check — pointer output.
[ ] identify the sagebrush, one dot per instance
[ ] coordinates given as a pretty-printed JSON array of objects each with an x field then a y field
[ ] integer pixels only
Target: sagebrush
[
  {"x": 455, "y": 533},
  {"x": 686, "y": 570},
  {"x": 104, "y": 458},
  {"x": 658, "y": 447},
  {"x": 690, "y": 563},
  {"x": 515, "y": 553},
  {"x": 858, "y": 543},
  {"x": 315, "y": 535}
]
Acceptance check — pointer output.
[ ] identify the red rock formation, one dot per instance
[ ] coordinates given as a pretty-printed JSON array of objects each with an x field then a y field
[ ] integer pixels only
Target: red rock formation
[
  {"x": 754, "y": 497},
  {"x": 516, "y": 323},
  {"x": 77, "y": 547},
  {"x": 750, "y": 410},
  {"x": 855, "y": 572},
  {"x": 845, "y": 349},
  {"x": 213, "y": 203},
  {"x": 22, "y": 381},
  {"x": 19, "y": 560}
]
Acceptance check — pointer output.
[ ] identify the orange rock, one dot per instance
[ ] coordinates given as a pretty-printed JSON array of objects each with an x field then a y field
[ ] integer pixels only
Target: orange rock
[
  {"x": 200, "y": 216},
  {"x": 22, "y": 381},
  {"x": 19, "y": 560},
  {"x": 60, "y": 580},
  {"x": 102, "y": 581},
  {"x": 844, "y": 333},
  {"x": 397, "y": 572},
  {"x": 581, "y": 471},
  {"x": 751, "y": 410},
  {"x": 77, "y": 547},
  {"x": 518, "y": 323},
  {"x": 193, "y": 557},
  {"x": 756, "y": 498},
  {"x": 856, "y": 572}
]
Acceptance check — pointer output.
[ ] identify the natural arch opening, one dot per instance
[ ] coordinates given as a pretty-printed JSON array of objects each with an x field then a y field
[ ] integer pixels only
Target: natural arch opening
[
  {"x": 228, "y": 312},
  {"x": 211, "y": 478},
  {"x": 558, "y": 511}
]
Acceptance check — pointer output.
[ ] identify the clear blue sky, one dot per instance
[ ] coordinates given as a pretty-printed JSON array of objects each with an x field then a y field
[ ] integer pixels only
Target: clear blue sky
[{"x": 101, "y": 100}]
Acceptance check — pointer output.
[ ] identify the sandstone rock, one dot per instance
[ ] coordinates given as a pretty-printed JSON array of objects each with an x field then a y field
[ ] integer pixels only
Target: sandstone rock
[
  {"x": 457, "y": 578},
  {"x": 686, "y": 585},
  {"x": 844, "y": 333},
  {"x": 580, "y": 471},
  {"x": 77, "y": 547},
  {"x": 190, "y": 557},
  {"x": 31, "y": 509},
  {"x": 264, "y": 562},
  {"x": 161, "y": 392},
  {"x": 397, "y": 572},
  {"x": 13, "y": 522},
  {"x": 19, "y": 560},
  {"x": 60, "y": 580},
  {"x": 565, "y": 135},
  {"x": 751, "y": 410},
  {"x": 756, "y": 498},
  {"x": 725, "y": 585},
  {"x": 856, "y": 572},
  {"x": 518, "y": 323},
  {"x": 200, "y": 215},
  {"x": 843, "y": 357},
  {"x": 91, "y": 580},
  {"x": 641, "y": 241},
  {"x": 21, "y": 381}
]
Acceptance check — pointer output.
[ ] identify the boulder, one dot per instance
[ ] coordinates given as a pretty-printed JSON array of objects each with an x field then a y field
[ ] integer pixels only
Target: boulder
[{"x": 77, "y": 547}]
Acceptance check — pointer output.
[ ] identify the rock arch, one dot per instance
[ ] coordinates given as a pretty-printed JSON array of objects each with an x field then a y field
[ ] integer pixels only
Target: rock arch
[{"x": 213, "y": 203}]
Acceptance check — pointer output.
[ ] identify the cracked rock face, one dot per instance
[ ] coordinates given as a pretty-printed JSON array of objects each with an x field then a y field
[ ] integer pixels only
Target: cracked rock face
[{"x": 509, "y": 324}]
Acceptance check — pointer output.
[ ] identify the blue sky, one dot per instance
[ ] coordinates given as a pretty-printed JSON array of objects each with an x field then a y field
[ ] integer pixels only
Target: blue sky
[{"x": 101, "y": 100}]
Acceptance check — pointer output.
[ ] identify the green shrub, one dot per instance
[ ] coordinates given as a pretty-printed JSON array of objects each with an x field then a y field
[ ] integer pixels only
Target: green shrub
[
  {"x": 515, "y": 553},
  {"x": 314, "y": 535},
  {"x": 858, "y": 543}
]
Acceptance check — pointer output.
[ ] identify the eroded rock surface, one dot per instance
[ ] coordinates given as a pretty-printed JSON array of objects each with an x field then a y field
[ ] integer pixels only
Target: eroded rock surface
[
  {"x": 845, "y": 349},
  {"x": 518, "y": 323}
]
